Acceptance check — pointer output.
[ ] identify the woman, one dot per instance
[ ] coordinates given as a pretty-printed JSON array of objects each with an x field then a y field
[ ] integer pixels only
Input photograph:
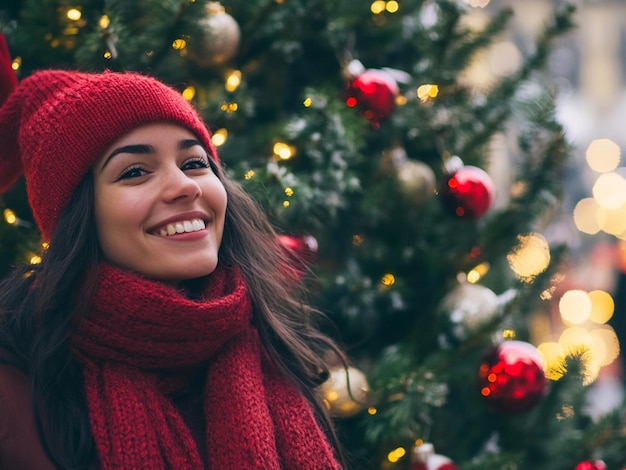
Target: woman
[{"x": 160, "y": 329}]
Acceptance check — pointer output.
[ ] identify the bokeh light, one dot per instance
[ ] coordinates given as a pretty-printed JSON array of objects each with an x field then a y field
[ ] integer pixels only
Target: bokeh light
[
  {"x": 575, "y": 306},
  {"x": 603, "y": 155},
  {"x": 609, "y": 190},
  {"x": 530, "y": 257}
]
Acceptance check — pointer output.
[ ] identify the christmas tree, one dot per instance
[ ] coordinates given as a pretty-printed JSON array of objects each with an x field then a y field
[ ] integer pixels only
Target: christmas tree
[{"x": 360, "y": 129}]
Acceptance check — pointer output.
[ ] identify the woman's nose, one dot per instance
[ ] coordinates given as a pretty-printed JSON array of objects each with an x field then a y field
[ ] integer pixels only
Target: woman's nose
[{"x": 178, "y": 185}]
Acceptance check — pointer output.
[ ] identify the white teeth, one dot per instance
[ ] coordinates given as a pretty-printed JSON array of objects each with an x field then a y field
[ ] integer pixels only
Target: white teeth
[{"x": 185, "y": 226}]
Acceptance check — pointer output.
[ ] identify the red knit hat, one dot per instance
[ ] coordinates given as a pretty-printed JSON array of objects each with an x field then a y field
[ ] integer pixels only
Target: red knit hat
[{"x": 55, "y": 124}]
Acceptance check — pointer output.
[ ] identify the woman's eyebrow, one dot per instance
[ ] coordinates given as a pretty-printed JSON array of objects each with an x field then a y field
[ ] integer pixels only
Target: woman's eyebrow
[
  {"x": 136, "y": 148},
  {"x": 187, "y": 143}
]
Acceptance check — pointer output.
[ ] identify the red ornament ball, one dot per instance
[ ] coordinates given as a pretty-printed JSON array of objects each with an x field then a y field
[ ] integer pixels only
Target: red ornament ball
[
  {"x": 511, "y": 377},
  {"x": 467, "y": 192},
  {"x": 374, "y": 92},
  {"x": 591, "y": 465}
]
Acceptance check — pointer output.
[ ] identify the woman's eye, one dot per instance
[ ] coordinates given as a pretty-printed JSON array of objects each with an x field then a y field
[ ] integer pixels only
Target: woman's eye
[
  {"x": 195, "y": 164},
  {"x": 132, "y": 172}
]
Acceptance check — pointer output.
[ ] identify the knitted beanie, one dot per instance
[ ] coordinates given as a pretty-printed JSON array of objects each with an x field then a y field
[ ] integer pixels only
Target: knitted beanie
[{"x": 55, "y": 125}]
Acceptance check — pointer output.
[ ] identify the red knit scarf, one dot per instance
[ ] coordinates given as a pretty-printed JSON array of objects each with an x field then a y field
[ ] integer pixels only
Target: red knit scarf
[{"x": 140, "y": 330}]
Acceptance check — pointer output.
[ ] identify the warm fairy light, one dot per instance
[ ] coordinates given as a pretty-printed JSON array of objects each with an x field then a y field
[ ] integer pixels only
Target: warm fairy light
[
  {"x": 508, "y": 334},
  {"x": 401, "y": 100},
  {"x": 602, "y": 306},
  {"x": 35, "y": 259},
  {"x": 16, "y": 63},
  {"x": 357, "y": 240},
  {"x": 586, "y": 216},
  {"x": 427, "y": 91},
  {"x": 73, "y": 14},
  {"x": 229, "y": 107},
  {"x": 554, "y": 358},
  {"x": 474, "y": 275},
  {"x": 233, "y": 81},
  {"x": 388, "y": 279},
  {"x": 249, "y": 174},
  {"x": 575, "y": 306},
  {"x": 530, "y": 257},
  {"x": 104, "y": 22},
  {"x": 189, "y": 92},
  {"x": 283, "y": 151},
  {"x": 396, "y": 454},
  {"x": 372, "y": 411},
  {"x": 377, "y": 7},
  {"x": 10, "y": 216},
  {"x": 392, "y": 6},
  {"x": 107, "y": 55},
  {"x": 609, "y": 190},
  {"x": 219, "y": 137},
  {"x": 179, "y": 44},
  {"x": 307, "y": 102},
  {"x": 603, "y": 155},
  {"x": 286, "y": 203},
  {"x": 289, "y": 192},
  {"x": 45, "y": 245}
]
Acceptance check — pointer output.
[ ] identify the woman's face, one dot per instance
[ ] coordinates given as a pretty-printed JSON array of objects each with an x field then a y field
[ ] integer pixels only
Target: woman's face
[{"x": 159, "y": 206}]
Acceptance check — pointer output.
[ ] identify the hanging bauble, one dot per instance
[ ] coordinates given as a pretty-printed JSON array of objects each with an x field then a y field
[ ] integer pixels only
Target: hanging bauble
[
  {"x": 466, "y": 308},
  {"x": 219, "y": 39},
  {"x": 511, "y": 377},
  {"x": 416, "y": 180},
  {"x": 345, "y": 393},
  {"x": 467, "y": 191},
  {"x": 423, "y": 457},
  {"x": 301, "y": 251},
  {"x": 591, "y": 465},
  {"x": 374, "y": 92}
]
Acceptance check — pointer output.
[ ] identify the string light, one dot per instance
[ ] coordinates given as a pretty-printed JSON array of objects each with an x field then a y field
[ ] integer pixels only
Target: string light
[
  {"x": 179, "y": 44},
  {"x": 189, "y": 93},
  {"x": 427, "y": 92},
  {"x": 10, "y": 216},
  {"x": 233, "y": 81},
  {"x": 357, "y": 239},
  {"x": 307, "y": 102},
  {"x": 107, "y": 55},
  {"x": 372, "y": 411},
  {"x": 219, "y": 137},
  {"x": 249, "y": 174},
  {"x": 289, "y": 192},
  {"x": 35, "y": 259},
  {"x": 104, "y": 22},
  {"x": 283, "y": 150},
  {"x": 377, "y": 7},
  {"x": 396, "y": 454},
  {"x": 73, "y": 14},
  {"x": 392, "y": 6},
  {"x": 16, "y": 64},
  {"x": 229, "y": 107},
  {"x": 388, "y": 279},
  {"x": 508, "y": 334},
  {"x": 286, "y": 204}
]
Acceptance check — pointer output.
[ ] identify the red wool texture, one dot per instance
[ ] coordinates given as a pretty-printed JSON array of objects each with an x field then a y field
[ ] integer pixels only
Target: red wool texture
[{"x": 134, "y": 344}]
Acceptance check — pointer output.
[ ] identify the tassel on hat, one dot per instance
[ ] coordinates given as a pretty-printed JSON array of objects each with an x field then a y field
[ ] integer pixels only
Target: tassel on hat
[{"x": 55, "y": 124}]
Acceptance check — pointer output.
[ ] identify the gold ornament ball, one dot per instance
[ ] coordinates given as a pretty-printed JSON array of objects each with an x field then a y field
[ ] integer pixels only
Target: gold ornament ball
[
  {"x": 220, "y": 38},
  {"x": 417, "y": 181},
  {"x": 345, "y": 394}
]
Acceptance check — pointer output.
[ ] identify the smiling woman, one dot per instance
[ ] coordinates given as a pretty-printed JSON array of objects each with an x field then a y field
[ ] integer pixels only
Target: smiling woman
[
  {"x": 159, "y": 206},
  {"x": 159, "y": 330}
]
